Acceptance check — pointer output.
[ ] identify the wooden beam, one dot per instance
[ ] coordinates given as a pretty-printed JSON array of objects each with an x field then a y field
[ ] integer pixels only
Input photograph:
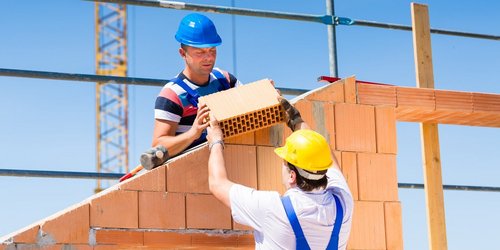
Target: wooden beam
[{"x": 429, "y": 131}]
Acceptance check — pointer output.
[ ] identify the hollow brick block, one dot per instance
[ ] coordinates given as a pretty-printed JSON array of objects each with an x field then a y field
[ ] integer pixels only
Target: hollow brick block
[
  {"x": 206, "y": 212},
  {"x": 69, "y": 226},
  {"x": 166, "y": 239},
  {"x": 355, "y": 128},
  {"x": 189, "y": 173},
  {"x": 385, "y": 118},
  {"x": 119, "y": 237},
  {"x": 368, "y": 226},
  {"x": 116, "y": 209},
  {"x": 350, "y": 90},
  {"x": 243, "y": 139},
  {"x": 453, "y": 101},
  {"x": 377, "y": 94},
  {"x": 161, "y": 210},
  {"x": 350, "y": 171},
  {"x": 241, "y": 164},
  {"x": 393, "y": 225},
  {"x": 319, "y": 116},
  {"x": 332, "y": 92},
  {"x": 489, "y": 103},
  {"x": 415, "y": 99},
  {"x": 271, "y": 136},
  {"x": 377, "y": 177},
  {"x": 153, "y": 180},
  {"x": 25, "y": 235},
  {"x": 219, "y": 241},
  {"x": 269, "y": 170},
  {"x": 246, "y": 108}
]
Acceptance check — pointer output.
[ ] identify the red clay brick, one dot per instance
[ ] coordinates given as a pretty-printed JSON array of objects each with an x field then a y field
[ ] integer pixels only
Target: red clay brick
[
  {"x": 271, "y": 136},
  {"x": 422, "y": 98},
  {"x": 241, "y": 164},
  {"x": 167, "y": 239},
  {"x": 161, "y": 210},
  {"x": 214, "y": 240},
  {"x": 238, "y": 226},
  {"x": 355, "y": 128},
  {"x": 206, "y": 212},
  {"x": 269, "y": 170},
  {"x": 117, "y": 209},
  {"x": 386, "y": 130},
  {"x": 189, "y": 173},
  {"x": 375, "y": 94},
  {"x": 393, "y": 225},
  {"x": 350, "y": 90},
  {"x": 69, "y": 226},
  {"x": 350, "y": 171},
  {"x": 243, "y": 139},
  {"x": 153, "y": 180},
  {"x": 246, "y": 240},
  {"x": 454, "y": 101},
  {"x": 123, "y": 237},
  {"x": 26, "y": 235},
  {"x": 377, "y": 177},
  {"x": 368, "y": 228},
  {"x": 329, "y": 93},
  {"x": 306, "y": 111},
  {"x": 486, "y": 102}
]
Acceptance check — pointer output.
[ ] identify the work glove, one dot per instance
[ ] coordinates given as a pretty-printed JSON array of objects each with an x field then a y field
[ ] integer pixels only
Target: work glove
[
  {"x": 154, "y": 157},
  {"x": 292, "y": 114}
]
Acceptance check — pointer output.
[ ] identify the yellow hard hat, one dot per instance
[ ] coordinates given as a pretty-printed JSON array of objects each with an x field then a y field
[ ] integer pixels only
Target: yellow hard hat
[{"x": 306, "y": 149}]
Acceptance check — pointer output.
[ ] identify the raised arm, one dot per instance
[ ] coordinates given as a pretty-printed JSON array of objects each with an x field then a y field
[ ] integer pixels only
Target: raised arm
[{"x": 218, "y": 182}]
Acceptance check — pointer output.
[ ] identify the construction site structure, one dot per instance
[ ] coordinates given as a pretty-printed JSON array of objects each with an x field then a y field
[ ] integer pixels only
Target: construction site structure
[
  {"x": 172, "y": 207},
  {"x": 111, "y": 98}
]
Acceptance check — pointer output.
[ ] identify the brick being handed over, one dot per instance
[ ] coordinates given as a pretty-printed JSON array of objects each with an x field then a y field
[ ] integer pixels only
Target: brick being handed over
[{"x": 247, "y": 108}]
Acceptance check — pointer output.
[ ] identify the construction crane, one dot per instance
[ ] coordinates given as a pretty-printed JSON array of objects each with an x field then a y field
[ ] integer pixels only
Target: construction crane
[{"x": 111, "y": 99}]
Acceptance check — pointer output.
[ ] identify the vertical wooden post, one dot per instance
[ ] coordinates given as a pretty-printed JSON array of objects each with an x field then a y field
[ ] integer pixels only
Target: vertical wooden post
[{"x": 429, "y": 131}]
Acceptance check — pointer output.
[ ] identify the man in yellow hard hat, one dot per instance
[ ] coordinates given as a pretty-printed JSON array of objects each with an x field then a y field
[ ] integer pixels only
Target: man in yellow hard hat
[{"x": 316, "y": 210}]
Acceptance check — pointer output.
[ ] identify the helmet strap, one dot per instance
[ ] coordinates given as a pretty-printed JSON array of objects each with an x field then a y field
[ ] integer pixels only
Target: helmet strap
[{"x": 308, "y": 175}]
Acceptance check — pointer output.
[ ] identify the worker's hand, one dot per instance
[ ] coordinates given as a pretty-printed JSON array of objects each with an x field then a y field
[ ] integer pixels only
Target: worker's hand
[
  {"x": 200, "y": 122},
  {"x": 214, "y": 132},
  {"x": 293, "y": 117}
]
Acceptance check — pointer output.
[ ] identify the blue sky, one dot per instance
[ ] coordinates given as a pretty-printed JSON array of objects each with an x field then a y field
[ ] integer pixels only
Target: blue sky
[{"x": 50, "y": 125}]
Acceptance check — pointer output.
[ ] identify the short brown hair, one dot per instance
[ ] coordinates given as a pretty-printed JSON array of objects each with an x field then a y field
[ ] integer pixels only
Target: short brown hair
[{"x": 307, "y": 184}]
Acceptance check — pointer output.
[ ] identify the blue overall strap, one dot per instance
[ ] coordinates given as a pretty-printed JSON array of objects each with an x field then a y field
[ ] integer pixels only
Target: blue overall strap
[
  {"x": 301, "y": 242},
  {"x": 300, "y": 239},
  {"x": 334, "y": 239},
  {"x": 192, "y": 95},
  {"x": 221, "y": 78}
]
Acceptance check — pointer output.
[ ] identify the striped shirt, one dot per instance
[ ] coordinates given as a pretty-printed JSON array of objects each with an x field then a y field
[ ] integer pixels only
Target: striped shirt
[{"x": 173, "y": 105}]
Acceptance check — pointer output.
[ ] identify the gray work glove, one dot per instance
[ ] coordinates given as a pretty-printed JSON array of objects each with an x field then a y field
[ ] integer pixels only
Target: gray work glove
[
  {"x": 154, "y": 157},
  {"x": 292, "y": 114}
]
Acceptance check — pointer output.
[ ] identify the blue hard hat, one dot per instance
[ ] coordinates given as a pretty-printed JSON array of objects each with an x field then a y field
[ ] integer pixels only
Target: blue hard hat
[{"x": 198, "y": 31}]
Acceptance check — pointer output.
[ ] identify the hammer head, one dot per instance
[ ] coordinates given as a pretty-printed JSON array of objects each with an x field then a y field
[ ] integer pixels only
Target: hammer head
[{"x": 154, "y": 157}]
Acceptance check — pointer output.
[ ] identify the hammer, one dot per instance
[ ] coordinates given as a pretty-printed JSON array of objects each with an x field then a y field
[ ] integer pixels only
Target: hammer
[{"x": 150, "y": 159}]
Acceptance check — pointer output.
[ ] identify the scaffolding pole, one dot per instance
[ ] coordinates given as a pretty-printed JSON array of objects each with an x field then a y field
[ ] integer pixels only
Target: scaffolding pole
[{"x": 120, "y": 80}]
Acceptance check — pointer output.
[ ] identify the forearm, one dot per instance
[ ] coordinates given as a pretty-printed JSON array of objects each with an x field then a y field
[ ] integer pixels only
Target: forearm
[
  {"x": 218, "y": 182},
  {"x": 175, "y": 144}
]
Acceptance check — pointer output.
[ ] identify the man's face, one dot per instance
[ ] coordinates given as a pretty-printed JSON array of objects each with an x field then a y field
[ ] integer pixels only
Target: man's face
[{"x": 200, "y": 61}]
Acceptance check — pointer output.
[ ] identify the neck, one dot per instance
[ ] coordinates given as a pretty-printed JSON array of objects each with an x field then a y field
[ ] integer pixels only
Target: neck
[{"x": 198, "y": 79}]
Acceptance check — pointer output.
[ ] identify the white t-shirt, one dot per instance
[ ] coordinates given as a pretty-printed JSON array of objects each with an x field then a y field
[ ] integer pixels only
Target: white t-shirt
[{"x": 316, "y": 211}]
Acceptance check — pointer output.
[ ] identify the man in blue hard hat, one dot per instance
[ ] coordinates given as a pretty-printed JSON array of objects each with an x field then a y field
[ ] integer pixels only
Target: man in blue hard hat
[{"x": 179, "y": 121}]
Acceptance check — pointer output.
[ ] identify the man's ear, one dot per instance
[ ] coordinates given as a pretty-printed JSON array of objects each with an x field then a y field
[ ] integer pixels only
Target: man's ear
[
  {"x": 182, "y": 52},
  {"x": 293, "y": 177}
]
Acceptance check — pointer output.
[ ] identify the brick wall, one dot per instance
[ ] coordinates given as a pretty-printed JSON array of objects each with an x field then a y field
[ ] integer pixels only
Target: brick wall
[{"x": 171, "y": 206}]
